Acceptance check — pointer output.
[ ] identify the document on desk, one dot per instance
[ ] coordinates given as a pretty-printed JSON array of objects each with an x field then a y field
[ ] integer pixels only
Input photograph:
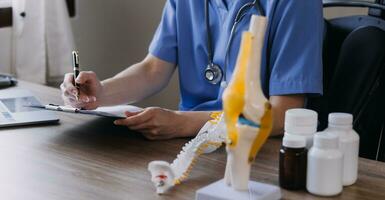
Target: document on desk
[
  {"x": 112, "y": 111},
  {"x": 107, "y": 111}
]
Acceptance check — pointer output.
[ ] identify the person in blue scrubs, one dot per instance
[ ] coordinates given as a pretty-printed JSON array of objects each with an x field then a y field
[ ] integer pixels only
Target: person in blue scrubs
[{"x": 291, "y": 66}]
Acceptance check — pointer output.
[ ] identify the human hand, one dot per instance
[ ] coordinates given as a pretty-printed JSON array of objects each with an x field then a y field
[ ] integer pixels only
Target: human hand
[
  {"x": 158, "y": 123},
  {"x": 87, "y": 95}
]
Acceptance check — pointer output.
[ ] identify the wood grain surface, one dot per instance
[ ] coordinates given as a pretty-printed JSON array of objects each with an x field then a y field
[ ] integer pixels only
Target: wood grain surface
[{"x": 86, "y": 157}]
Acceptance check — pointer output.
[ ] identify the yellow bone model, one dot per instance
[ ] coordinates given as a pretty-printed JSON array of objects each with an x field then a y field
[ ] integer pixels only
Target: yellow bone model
[{"x": 247, "y": 112}]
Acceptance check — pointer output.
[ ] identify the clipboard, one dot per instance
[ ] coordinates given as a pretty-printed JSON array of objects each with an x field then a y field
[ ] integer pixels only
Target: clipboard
[{"x": 107, "y": 111}]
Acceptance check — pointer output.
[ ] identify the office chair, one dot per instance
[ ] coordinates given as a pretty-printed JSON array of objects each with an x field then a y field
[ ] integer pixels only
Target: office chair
[{"x": 354, "y": 74}]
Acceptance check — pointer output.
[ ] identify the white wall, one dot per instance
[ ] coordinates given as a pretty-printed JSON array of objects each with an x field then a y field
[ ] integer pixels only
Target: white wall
[
  {"x": 115, "y": 33},
  {"x": 339, "y": 12},
  {"x": 344, "y": 11},
  {"x": 111, "y": 35}
]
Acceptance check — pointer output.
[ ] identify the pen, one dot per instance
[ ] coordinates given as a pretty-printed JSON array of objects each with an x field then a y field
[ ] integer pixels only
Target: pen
[
  {"x": 75, "y": 64},
  {"x": 55, "y": 108}
]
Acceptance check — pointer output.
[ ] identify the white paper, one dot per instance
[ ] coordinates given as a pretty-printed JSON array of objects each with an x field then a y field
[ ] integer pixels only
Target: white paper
[{"x": 116, "y": 111}]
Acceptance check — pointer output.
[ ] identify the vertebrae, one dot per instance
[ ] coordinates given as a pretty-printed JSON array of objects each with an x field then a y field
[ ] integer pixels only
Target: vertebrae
[{"x": 210, "y": 137}]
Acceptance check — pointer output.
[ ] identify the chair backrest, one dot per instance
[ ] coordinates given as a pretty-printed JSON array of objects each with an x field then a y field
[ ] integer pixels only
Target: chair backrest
[{"x": 354, "y": 78}]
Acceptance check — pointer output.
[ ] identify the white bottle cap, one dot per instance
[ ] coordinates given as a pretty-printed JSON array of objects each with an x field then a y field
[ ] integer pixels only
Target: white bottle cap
[
  {"x": 324, "y": 140},
  {"x": 294, "y": 142},
  {"x": 301, "y": 121},
  {"x": 344, "y": 119}
]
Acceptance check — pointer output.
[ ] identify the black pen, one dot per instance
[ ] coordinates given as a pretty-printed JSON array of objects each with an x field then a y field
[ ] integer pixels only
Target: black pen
[{"x": 76, "y": 69}]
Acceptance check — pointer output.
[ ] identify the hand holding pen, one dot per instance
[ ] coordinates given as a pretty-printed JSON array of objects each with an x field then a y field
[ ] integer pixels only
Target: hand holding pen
[{"x": 81, "y": 89}]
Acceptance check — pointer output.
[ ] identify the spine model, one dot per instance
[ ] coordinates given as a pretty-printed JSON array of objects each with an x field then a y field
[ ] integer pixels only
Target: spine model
[{"x": 210, "y": 137}]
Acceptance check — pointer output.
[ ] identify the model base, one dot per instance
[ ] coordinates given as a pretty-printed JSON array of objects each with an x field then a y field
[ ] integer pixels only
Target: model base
[{"x": 220, "y": 191}]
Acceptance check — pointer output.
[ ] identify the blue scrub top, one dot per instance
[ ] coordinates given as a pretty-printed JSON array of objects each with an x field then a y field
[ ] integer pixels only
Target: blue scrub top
[{"x": 292, "y": 55}]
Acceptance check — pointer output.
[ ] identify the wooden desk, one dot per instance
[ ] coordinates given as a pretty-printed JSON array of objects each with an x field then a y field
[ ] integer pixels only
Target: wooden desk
[{"x": 88, "y": 158}]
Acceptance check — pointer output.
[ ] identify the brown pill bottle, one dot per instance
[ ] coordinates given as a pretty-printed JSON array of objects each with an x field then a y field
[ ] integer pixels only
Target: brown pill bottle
[{"x": 292, "y": 163}]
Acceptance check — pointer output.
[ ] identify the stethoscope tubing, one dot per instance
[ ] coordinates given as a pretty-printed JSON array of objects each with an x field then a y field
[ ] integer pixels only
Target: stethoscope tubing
[{"x": 240, "y": 15}]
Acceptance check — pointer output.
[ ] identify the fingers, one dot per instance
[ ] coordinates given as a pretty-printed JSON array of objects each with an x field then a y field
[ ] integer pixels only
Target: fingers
[
  {"x": 72, "y": 99},
  {"x": 70, "y": 93},
  {"x": 67, "y": 86},
  {"x": 129, "y": 114},
  {"x": 86, "y": 99},
  {"x": 142, "y": 122},
  {"x": 85, "y": 77},
  {"x": 148, "y": 123},
  {"x": 150, "y": 136},
  {"x": 68, "y": 79},
  {"x": 76, "y": 104},
  {"x": 144, "y": 126},
  {"x": 155, "y": 134},
  {"x": 68, "y": 96},
  {"x": 90, "y": 106},
  {"x": 135, "y": 119},
  {"x": 83, "y": 103}
]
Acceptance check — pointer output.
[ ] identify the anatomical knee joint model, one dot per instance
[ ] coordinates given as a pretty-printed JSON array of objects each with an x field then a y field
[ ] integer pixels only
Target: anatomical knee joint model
[{"x": 247, "y": 112}]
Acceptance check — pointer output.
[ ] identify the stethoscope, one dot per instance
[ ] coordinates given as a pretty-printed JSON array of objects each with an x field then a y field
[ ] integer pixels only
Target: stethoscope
[{"x": 213, "y": 73}]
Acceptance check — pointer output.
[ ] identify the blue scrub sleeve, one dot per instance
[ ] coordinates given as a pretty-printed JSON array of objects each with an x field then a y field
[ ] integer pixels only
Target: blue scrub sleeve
[
  {"x": 164, "y": 43},
  {"x": 296, "y": 48}
]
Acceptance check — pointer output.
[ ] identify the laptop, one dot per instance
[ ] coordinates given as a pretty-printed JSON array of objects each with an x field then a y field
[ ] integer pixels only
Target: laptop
[{"x": 14, "y": 110}]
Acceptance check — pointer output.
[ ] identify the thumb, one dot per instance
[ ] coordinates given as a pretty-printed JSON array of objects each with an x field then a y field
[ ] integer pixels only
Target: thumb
[
  {"x": 130, "y": 114},
  {"x": 84, "y": 77}
]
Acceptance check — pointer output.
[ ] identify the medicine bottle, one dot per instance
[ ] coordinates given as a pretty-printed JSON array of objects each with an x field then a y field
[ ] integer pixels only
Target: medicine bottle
[
  {"x": 324, "y": 166},
  {"x": 292, "y": 163},
  {"x": 302, "y": 123},
  {"x": 341, "y": 124}
]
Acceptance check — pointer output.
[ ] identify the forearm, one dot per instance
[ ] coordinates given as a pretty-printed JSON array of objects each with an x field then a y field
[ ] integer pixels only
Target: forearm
[
  {"x": 192, "y": 122},
  {"x": 129, "y": 86},
  {"x": 280, "y": 104},
  {"x": 136, "y": 82}
]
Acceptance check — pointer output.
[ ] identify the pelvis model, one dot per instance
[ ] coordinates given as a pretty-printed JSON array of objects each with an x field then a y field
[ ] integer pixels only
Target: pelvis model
[{"x": 244, "y": 125}]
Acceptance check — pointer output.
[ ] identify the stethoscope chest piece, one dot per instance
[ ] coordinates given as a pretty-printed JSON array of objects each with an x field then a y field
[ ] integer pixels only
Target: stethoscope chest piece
[{"x": 213, "y": 73}]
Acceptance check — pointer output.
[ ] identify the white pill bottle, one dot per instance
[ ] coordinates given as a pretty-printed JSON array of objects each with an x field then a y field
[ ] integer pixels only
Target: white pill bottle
[
  {"x": 324, "y": 167},
  {"x": 302, "y": 123},
  {"x": 341, "y": 125}
]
